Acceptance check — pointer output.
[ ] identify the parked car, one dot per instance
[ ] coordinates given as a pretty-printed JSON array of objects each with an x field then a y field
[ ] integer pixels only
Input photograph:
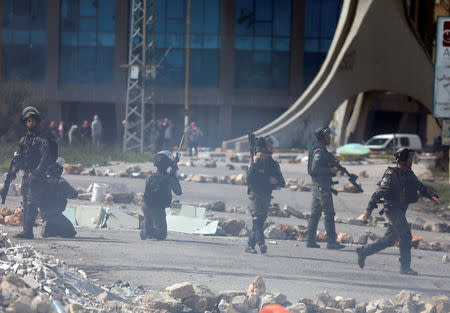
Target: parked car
[{"x": 394, "y": 141}]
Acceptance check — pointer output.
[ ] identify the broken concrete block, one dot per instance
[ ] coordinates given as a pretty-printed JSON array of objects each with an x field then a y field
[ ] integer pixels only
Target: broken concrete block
[
  {"x": 326, "y": 298},
  {"x": 161, "y": 301},
  {"x": 181, "y": 290},
  {"x": 345, "y": 303},
  {"x": 418, "y": 223},
  {"x": 297, "y": 308},
  {"x": 445, "y": 259},
  {"x": 273, "y": 232},
  {"x": 435, "y": 246},
  {"x": 233, "y": 226},
  {"x": 240, "y": 303},
  {"x": 267, "y": 299}
]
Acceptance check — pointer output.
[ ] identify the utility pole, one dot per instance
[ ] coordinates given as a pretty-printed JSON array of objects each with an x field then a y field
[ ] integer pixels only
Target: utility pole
[{"x": 186, "y": 83}]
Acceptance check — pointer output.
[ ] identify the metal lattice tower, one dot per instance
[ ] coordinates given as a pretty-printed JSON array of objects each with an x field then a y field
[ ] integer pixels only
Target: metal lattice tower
[{"x": 140, "y": 50}]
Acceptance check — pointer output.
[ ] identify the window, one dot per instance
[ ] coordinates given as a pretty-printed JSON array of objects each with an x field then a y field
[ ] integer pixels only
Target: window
[
  {"x": 404, "y": 141},
  {"x": 23, "y": 39},
  {"x": 170, "y": 31},
  {"x": 262, "y": 43},
  {"x": 321, "y": 17},
  {"x": 87, "y": 41}
]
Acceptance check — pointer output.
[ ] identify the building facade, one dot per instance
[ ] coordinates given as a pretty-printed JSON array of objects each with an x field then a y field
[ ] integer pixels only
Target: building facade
[{"x": 250, "y": 59}]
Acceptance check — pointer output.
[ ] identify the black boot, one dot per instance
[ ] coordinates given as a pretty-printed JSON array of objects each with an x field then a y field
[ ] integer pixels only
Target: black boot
[
  {"x": 251, "y": 250},
  {"x": 312, "y": 244},
  {"x": 263, "y": 248},
  {"x": 361, "y": 257},
  {"x": 408, "y": 271},
  {"x": 335, "y": 245}
]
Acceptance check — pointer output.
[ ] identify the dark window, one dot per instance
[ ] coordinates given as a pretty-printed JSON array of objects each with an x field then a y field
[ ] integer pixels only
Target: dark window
[
  {"x": 404, "y": 141},
  {"x": 321, "y": 17},
  {"x": 170, "y": 31},
  {"x": 262, "y": 43},
  {"x": 87, "y": 41},
  {"x": 23, "y": 39}
]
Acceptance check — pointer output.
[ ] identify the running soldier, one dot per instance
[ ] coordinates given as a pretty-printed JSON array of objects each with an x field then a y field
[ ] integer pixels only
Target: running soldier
[{"x": 398, "y": 188}]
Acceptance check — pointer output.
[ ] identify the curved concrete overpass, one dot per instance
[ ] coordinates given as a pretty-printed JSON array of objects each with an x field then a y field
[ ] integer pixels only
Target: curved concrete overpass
[{"x": 374, "y": 49}]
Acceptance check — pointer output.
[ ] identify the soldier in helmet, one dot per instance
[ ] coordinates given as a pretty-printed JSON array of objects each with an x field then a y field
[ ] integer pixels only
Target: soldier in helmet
[
  {"x": 398, "y": 188},
  {"x": 158, "y": 196},
  {"x": 321, "y": 173},
  {"x": 34, "y": 159},
  {"x": 264, "y": 176}
]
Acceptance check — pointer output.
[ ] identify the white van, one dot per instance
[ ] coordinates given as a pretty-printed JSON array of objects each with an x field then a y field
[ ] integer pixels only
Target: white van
[{"x": 394, "y": 141}]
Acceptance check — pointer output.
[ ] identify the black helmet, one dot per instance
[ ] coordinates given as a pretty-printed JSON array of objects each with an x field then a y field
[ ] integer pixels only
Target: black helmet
[
  {"x": 163, "y": 159},
  {"x": 30, "y": 112},
  {"x": 322, "y": 132},
  {"x": 402, "y": 154}
]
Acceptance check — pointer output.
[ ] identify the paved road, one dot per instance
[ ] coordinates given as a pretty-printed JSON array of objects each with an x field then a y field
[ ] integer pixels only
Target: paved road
[{"x": 221, "y": 263}]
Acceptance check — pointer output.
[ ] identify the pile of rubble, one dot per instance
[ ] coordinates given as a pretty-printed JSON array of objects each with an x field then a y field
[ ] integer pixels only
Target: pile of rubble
[
  {"x": 131, "y": 171},
  {"x": 238, "y": 179},
  {"x": 11, "y": 217}
]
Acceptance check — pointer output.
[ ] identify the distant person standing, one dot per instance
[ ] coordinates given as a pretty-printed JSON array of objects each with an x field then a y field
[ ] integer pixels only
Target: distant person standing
[
  {"x": 85, "y": 132},
  {"x": 61, "y": 132},
  {"x": 168, "y": 134},
  {"x": 73, "y": 133},
  {"x": 97, "y": 130},
  {"x": 194, "y": 134}
]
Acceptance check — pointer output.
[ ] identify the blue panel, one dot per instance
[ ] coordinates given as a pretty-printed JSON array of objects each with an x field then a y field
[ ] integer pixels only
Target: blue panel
[
  {"x": 21, "y": 37},
  {"x": 87, "y": 39},
  {"x": 196, "y": 41},
  {"x": 245, "y": 17},
  {"x": 197, "y": 20},
  {"x": 38, "y": 37},
  {"x": 176, "y": 26},
  {"x": 106, "y": 39},
  {"x": 68, "y": 65},
  {"x": 281, "y": 44},
  {"x": 37, "y": 63},
  {"x": 263, "y": 10},
  {"x": 88, "y": 8},
  {"x": 282, "y": 18},
  {"x": 160, "y": 16},
  {"x": 263, "y": 43},
  {"x": 312, "y": 18},
  {"x": 175, "y": 9},
  {"x": 176, "y": 40},
  {"x": 243, "y": 43},
  {"x": 106, "y": 14},
  {"x": 280, "y": 70},
  {"x": 7, "y": 36},
  {"x": 212, "y": 16},
  {"x": 105, "y": 65},
  {"x": 204, "y": 68},
  {"x": 329, "y": 17},
  {"x": 69, "y": 39},
  {"x": 263, "y": 29},
  {"x": 88, "y": 24},
  {"x": 211, "y": 42}
]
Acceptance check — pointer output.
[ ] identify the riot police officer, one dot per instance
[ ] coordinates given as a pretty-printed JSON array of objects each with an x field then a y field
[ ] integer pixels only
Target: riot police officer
[
  {"x": 264, "y": 176},
  {"x": 321, "y": 174},
  {"x": 33, "y": 160},
  {"x": 398, "y": 188},
  {"x": 158, "y": 195}
]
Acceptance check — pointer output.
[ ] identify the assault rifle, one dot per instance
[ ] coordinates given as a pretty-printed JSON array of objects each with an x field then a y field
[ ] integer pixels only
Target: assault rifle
[
  {"x": 10, "y": 176},
  {"x": 351, "y": 177}
]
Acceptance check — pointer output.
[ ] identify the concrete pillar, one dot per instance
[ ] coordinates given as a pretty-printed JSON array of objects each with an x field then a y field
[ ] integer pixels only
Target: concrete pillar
[
  {"x": 297, "y": 47},
  {"x": 341, "y": 120},
  {"x": 358, "y": 120},
  {"x": 226, "y": 79},
  {"x": 52, "y": 49}
]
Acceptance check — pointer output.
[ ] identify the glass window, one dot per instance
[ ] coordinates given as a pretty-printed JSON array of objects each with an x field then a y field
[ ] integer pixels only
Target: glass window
[
  {"x": 170, "y": 31},
  {"x": 87, "y": 41},
  {"x": 23, "y": 39},
  {"x": 262, "y": 43},
  {"x": 321, "y": 17},
  {"x": 404, "y": 141}
]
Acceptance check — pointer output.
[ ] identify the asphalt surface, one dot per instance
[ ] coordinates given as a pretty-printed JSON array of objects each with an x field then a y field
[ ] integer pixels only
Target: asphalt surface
[{"x": 221, "y": 263}]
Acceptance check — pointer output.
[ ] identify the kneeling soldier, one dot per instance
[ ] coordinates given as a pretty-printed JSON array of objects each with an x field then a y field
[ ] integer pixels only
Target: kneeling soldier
[
  {"x": 398, "y": 188},
  {"x": 158, "y": 196}
]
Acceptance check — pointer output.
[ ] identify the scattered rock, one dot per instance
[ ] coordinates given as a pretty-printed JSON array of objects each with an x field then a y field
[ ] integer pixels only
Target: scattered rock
[
  {"x": 445, "y": 259},
  {"x": 427, "y": 176},
  {"x": 230, "y": 167},
  {"x": 218, "y": 206},
  {"x": 232, "y": 226},
  {"x": 297, "y": 308},
  {"x": 73, "y": 169},
  {"x": 181, "y": 291},
  {"x": 435, "y": 246},
  {"x": 198, "y": 179},
  {"x": 348, "y": 187},
  {"x": 363, "y": 174},
  {"x": 418, "y": 224},
  {"x": 266, "y": 299},
  {"x": 273, "y": 232}
]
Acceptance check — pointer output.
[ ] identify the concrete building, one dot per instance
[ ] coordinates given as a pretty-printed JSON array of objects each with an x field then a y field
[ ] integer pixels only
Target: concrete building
[{"x": 250, "y": 59}]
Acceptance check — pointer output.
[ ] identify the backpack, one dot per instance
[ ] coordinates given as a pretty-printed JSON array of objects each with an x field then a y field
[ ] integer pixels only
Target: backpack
[{"x": 157, "y": 191}]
